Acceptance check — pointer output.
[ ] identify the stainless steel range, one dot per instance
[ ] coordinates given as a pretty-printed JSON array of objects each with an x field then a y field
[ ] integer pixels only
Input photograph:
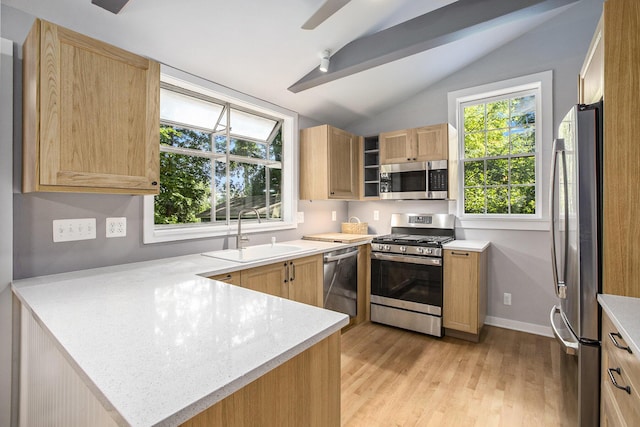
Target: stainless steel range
[{"x": 406, "y": 272}]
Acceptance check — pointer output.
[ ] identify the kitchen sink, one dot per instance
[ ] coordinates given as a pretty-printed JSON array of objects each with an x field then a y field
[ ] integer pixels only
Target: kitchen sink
[{"x": 258, "y": 252}]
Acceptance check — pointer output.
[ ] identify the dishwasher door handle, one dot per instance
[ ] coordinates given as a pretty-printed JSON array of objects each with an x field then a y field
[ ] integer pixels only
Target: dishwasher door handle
[{"x": 334, "y": 258}]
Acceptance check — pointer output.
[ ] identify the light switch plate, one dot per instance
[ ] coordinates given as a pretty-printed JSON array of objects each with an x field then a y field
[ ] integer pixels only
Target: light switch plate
[
  {"x": 116, "y": 227},
  {"x": 300, "y": 217},
  {"x": 376, "y": 215},
  {"x": 67, "y": 230},
  {"x": 333, "y": 215}
]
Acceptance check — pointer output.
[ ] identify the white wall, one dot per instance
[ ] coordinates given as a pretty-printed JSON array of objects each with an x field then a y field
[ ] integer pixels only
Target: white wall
[
  {"x": 6, "y": 229},
  {"x": 519, "y": 261}
]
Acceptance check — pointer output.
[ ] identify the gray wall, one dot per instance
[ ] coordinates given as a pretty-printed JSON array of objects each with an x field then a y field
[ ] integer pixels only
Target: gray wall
[
  {"x": 519, "y": 260},
  {"x": 35, "y": 254}
]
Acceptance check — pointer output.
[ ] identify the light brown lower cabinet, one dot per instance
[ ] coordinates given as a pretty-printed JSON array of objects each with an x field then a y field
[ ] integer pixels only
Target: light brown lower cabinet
[
  {"x": 465, "y": 293},
  {"x": 304, "y": 391},
  {"x": 297, "y": 279},
  {"x": 620, "y": 379}
]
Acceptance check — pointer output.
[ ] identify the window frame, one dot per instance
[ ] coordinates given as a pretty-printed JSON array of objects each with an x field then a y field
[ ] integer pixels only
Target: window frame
[
  {"x": 543, "y": 84},
  {"x": 153, "y": 233}
]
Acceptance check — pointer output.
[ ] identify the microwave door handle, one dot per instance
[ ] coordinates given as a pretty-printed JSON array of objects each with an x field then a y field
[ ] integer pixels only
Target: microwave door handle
[{"x": 558, "y": 148}]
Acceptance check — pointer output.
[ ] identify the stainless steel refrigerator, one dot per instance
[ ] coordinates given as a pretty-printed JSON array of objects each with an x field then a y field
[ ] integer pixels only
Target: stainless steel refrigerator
[{"x": 576, "y": 213}]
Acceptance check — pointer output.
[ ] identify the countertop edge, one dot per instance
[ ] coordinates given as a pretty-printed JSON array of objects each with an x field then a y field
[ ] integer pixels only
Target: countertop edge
[
  {"x": 624, "y": 313},
  {"x": 467, "y": 245}
]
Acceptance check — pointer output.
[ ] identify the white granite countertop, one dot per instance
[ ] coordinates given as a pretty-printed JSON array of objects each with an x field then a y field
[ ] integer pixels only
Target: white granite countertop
[
  {"x": 467, "y": 245},
  {"x": 624, "y": 312},
  {"x": 159, "y": 343}
]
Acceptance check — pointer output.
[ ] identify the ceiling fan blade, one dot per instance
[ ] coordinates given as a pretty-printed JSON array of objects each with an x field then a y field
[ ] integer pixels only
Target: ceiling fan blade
[
  {"x": 326, "y": 10},
  {"x": 113, "y": 6}
]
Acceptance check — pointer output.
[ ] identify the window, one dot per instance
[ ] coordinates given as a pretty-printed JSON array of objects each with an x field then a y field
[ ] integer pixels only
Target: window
[
  {"x": 501, "y": 130},
  {"x": 218, "y": 157},
  {"x": 499, "y": 156}
]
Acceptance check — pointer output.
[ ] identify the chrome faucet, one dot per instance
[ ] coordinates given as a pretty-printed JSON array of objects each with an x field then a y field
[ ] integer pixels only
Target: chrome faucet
[{"x": 240, "y": 238}]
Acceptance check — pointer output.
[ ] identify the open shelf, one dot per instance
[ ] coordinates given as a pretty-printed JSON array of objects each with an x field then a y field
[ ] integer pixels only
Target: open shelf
[{"x": 371, "y": 166}]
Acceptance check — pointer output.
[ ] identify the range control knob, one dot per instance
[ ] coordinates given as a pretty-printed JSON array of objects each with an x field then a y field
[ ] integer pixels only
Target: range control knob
[
  {"x": 420, "y": 250},
  {"x": 387, "y": 248},
  {"x": 428, "y": 251},
  {"x": 403, "y": 249}
]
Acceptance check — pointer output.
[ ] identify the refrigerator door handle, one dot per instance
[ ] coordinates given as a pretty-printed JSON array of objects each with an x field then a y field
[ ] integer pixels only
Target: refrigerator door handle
[
  {"x": 559, "y": 286},
  {"x": 569, "y": 347}
]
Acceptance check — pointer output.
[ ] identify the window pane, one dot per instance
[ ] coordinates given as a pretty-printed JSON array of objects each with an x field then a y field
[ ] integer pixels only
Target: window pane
[
  {"x": 247, "y": 188},
  {"x": 474, "y": 118},
  {"x": 247, "y": 125},
  {"x": 185, "y": 189},
  {"x": 498, "y": 200},
  {"x": 185, "y": 138},
  {"x": 523, "y": 111},
  {"x": 523, "y": 200},
  {"x": 497, "y": 143},
  {"x": 497, "y": 172},
  {"x": 474, "y": 173},
  {"x": 498, "y": 115},
  {"x": 220, "y": 193},
  {"x": 220, "y": 144},
  {"x": 474, "y": 200},
  {"x": 523, "y": 170},
  {"x": 474, "y": 145},
  {"x": 275, "y": 149},
  {"x": 275, "y": 193},
  {"x": 190, "y": 111},
  {"x": 248, "y": 149},
  {"x": 523, "y": 140}
]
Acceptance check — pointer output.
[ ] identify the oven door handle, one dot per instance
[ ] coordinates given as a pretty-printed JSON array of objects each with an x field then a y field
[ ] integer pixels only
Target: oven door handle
[{"x": 407, "y": 259}]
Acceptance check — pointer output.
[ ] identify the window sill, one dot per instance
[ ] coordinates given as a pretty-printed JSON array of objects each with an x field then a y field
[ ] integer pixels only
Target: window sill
[
  {"x": 171, "y": 234},
  {"x": 536, "y": 224}
]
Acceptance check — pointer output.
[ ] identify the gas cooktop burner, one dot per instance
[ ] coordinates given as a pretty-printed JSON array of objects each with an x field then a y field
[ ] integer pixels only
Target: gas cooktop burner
[{"x": 413, "y": 239}]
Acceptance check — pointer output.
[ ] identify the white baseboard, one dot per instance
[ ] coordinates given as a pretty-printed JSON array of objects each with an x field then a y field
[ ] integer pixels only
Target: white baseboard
[{"x": 530, "y": 328}]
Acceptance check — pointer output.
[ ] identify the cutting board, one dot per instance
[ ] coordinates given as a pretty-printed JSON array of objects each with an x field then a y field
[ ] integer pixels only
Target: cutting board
[{"x": 339, "y": 237}]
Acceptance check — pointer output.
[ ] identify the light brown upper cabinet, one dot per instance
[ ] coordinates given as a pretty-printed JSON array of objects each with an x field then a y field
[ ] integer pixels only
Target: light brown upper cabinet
[
  {"x": 416, "y": 145},
  {"x": 621, "y": 192},
  {"x": 329, "y": 164},
  {"x": 91, "y": 115}
]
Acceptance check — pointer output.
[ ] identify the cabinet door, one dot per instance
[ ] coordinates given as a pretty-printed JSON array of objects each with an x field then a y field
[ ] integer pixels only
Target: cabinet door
[
  {"x": 269, "y": 279},
  {"x": 305, "y": 280},
  {"x": 460, "y": 304},
  {"x": 395, "y": 147},
  {"x": 343, "y": 164},
  {"x": 432, "y": 143},
  {"x": 99, "y": 116}
]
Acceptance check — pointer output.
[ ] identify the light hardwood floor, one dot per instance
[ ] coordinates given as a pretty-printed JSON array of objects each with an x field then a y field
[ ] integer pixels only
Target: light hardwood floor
[{"x": 393, "y": 377}]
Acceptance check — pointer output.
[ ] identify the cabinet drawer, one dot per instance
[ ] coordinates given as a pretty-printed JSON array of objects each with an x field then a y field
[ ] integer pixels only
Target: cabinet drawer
[
  {"x": 232, "y": 278},
  {"x": 623, "y": 367}
]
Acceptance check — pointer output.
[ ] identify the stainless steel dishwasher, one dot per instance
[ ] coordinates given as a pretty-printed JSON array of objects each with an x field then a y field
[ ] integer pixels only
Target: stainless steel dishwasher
[{"x": 341, "y": 280}]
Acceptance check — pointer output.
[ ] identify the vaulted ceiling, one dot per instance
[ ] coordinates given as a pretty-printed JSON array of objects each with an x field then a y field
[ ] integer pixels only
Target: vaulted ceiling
[{"x": 258, "y": 47}]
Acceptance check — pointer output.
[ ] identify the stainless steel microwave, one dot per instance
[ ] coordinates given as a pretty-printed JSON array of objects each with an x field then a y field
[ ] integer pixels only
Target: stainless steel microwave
[{"x": 414, "y": 181}]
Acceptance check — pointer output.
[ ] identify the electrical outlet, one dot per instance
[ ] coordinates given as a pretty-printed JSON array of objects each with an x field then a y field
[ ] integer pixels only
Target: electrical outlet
[
  {"x": 507, "y": 298},
  {"x": 376, "y": 215},
  {"x": 300, "y": 217},
  {"x": 116, "y": 227},
  {"x": 333, "y": 215},
  {"x": 67, "y": 230}
]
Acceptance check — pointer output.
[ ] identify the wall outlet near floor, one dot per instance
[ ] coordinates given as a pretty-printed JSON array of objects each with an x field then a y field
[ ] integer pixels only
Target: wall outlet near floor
[
  {"x": 333, "y": 215},
  {"x": 116, "y": 227},
  {"x": 300, "y": 217},
  {"x": 67, "y": 230},
  {"x": 376, "y": 215},
  {"x": 507, "y": 298}
]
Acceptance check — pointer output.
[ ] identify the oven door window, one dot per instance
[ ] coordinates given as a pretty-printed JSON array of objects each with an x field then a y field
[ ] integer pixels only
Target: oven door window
[{"x": 406, "y": 281}]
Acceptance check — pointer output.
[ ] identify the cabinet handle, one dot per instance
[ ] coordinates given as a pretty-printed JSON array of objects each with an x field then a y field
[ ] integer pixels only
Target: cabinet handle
[
  {"x": 286, "y": 272},
  {"x": 613, "y": 380},
  {"x": 408, "y": 158},
  {"x": 293, "y": 270},
  {"x": 613, "y": 336},
  {"x": 154, "y": 183},
  {"x": 460, "y": 253}
]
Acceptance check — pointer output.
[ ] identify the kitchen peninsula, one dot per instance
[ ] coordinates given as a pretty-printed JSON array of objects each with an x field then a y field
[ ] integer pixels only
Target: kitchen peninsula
[{"x": 158, "y": 343}]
